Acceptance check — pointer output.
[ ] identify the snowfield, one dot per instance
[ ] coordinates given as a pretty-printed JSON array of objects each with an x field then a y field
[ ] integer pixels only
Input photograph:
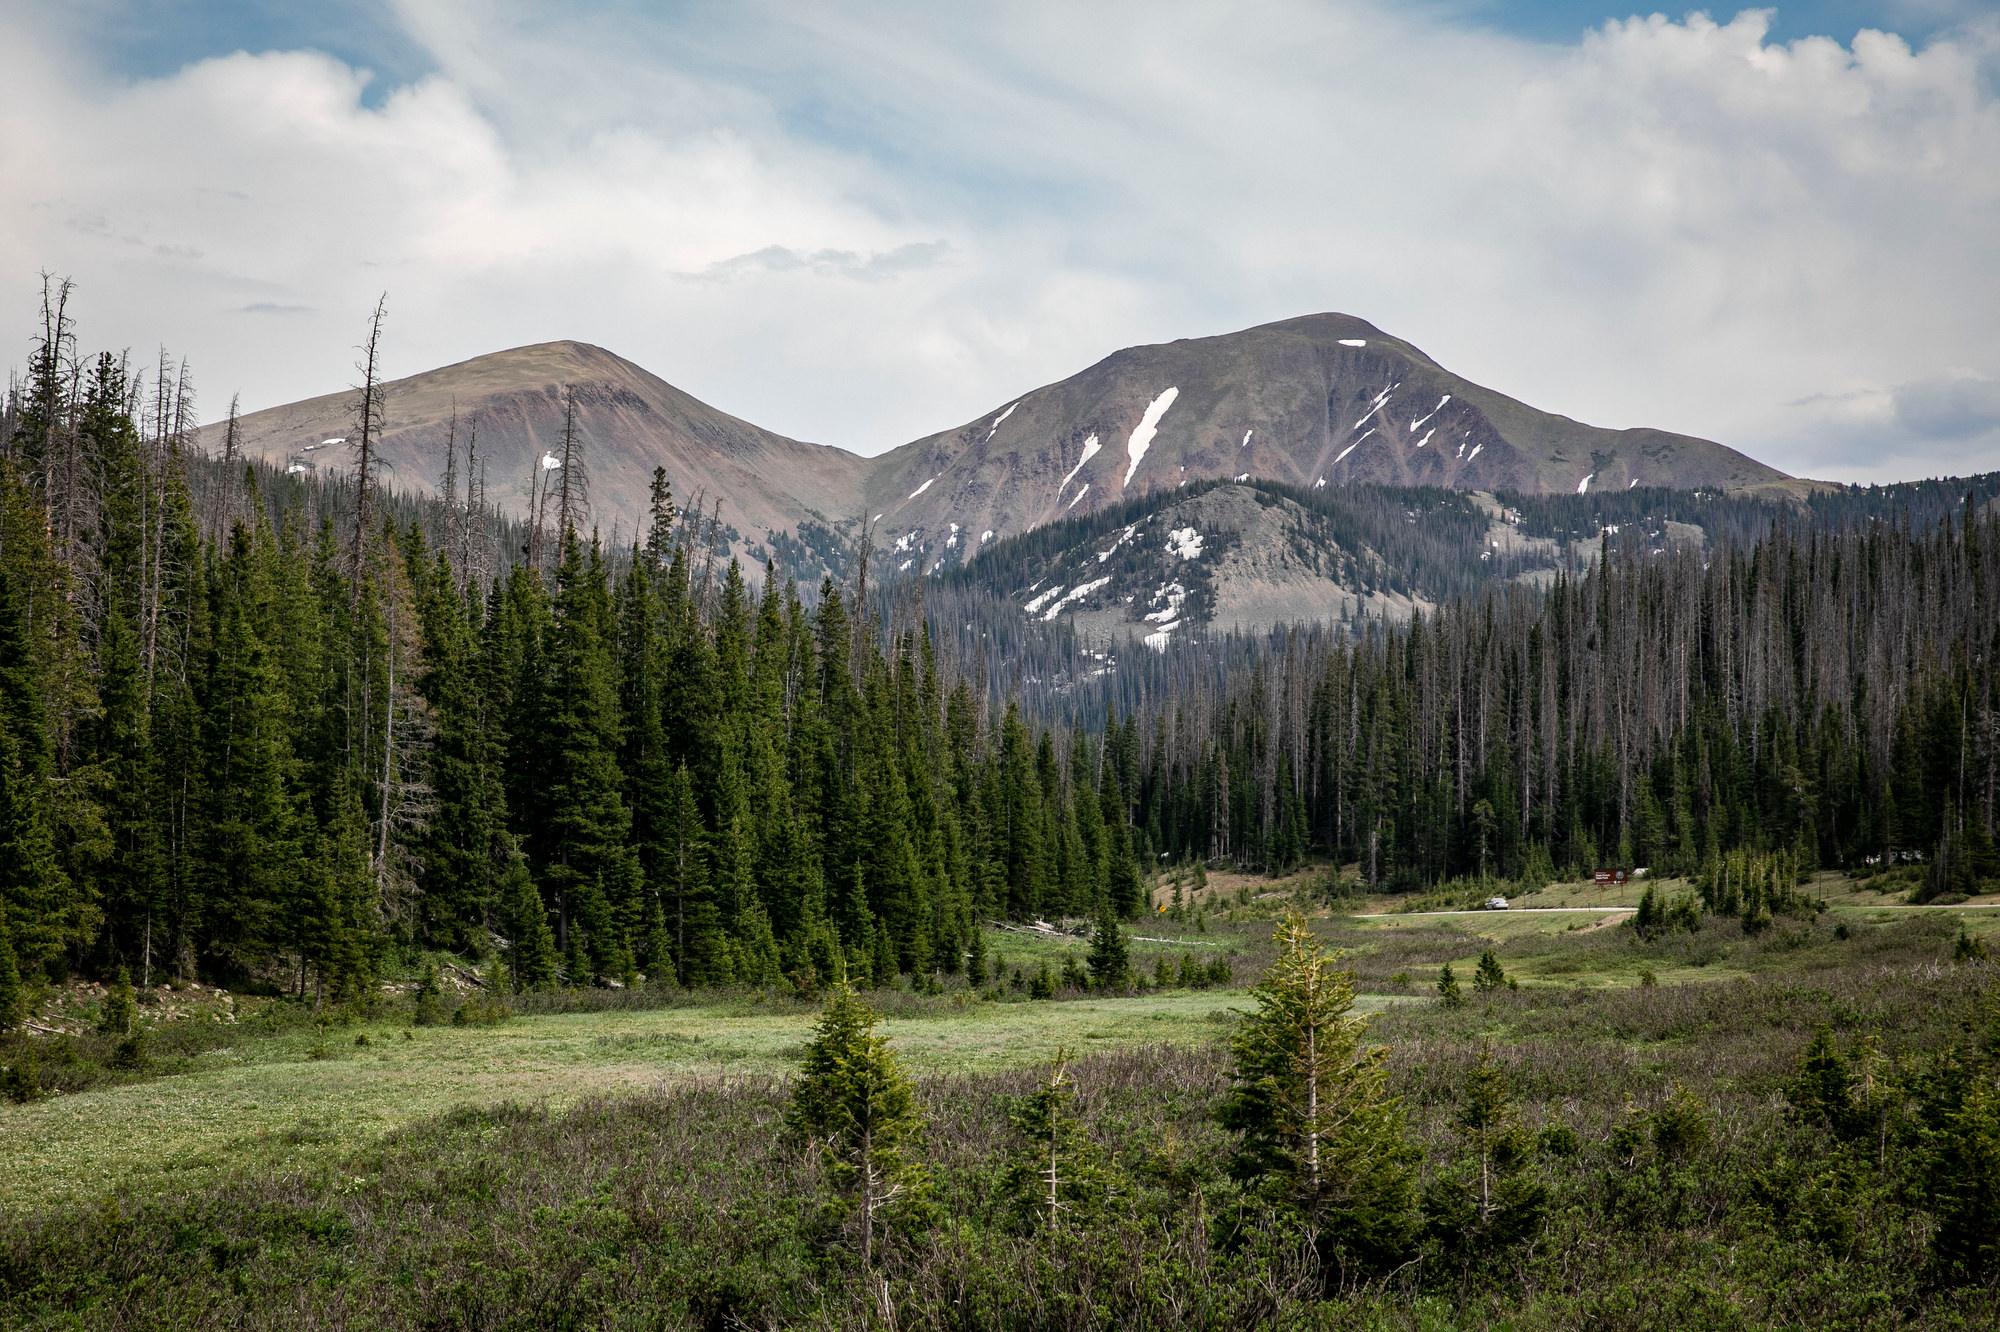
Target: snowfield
[
  {"x": 1149, "y": 425},
  {"x": 1090, "y": 448},
  {"x": 990, "y": 430},
  {"x": 1076, "y": 593}
]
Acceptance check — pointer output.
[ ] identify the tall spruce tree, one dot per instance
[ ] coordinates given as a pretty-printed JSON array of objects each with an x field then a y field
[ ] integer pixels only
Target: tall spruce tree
[
  {"x": 856, "y": 1105},
  {"x": 1320, "y": 1138}
]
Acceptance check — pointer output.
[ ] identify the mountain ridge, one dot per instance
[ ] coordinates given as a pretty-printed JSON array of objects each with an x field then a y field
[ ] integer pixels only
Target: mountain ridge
[
  {"x": 630, "y": 420},
  {"x": 1311, "y": 401}
]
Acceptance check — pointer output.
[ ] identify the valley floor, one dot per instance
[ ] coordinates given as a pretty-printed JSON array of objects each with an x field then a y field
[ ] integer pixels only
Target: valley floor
[{"x": 626, "y": 1166}]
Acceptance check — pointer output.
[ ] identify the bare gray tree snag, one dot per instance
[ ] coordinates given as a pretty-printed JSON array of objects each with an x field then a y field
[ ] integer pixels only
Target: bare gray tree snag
[{"x": 367, "y": 424}]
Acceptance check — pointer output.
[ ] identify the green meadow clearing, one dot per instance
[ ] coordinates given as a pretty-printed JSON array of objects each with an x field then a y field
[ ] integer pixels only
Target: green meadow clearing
[{"x": 272, "y": 1101}]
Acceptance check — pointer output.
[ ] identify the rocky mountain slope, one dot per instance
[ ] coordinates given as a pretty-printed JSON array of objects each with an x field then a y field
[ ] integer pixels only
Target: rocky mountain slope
[
  {"x": 1321, "y": 401},
  {"x": 629, "y": 420},
  {"x": 1231, "y": 557},
  {"x": 1245, "y": 557}
]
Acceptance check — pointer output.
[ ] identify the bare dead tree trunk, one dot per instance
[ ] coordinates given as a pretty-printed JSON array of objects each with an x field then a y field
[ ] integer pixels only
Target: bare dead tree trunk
[
  {"x": 222, "y": 510},
  {"x": 368, "y": 412},
  {"x": 573, "y": 493},
  {"x": 534, "y": 551},
  {"x": 452, "y": 520},
  {"x": 475, "y": 549}
]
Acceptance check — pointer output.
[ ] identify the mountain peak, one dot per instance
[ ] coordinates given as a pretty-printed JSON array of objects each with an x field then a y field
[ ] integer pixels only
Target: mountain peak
[{"x": 1318, "y": 400}]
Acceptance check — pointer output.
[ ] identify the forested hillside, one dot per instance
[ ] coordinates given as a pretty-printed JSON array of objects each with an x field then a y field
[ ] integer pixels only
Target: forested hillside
[
  {"x": 1830, "y": 693},
  {"x": 262, "y": 731}
]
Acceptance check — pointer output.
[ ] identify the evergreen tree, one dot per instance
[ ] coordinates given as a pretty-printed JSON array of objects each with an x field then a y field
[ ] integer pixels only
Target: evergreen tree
[
  {"x": 1319, "y": 1136},
  {"x": 1490, "y": 975},
  {"x": 585, "y": 824},
  {"x": 527, "y": 922},
  {"x": 35, "y": 891},
  {"x": 1447, "y": 986},
  {"x": 1055, "y": 1175},
  {"x": 1488, "y": 1204},
  {"x": 121, "y": 1011},
  {"x": 854, "y": 1102},
  {"x": 1110, "y": 960}
]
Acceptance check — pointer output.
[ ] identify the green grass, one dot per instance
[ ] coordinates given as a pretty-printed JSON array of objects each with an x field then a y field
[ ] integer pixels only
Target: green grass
[{"x": 269, "y": 1103}]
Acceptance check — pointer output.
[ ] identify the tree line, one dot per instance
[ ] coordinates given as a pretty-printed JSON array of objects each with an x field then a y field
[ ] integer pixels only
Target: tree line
[
  {"x": 1828, "y": 693},
  {"x": 253, "y": 731}
]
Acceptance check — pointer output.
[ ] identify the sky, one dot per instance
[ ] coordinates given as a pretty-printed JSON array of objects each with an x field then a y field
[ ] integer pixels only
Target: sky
[{"x": 860, "y": 223}]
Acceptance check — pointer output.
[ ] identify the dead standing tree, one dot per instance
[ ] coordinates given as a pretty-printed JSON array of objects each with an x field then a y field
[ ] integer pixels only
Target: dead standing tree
[
  {"x": 367, "y": 426},
  {"x": 573, "y": 487},
  {"x": 222, "y": 498}
]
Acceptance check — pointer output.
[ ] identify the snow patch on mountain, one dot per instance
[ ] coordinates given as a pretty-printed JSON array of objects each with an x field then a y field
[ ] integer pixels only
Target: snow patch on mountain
[
  {"x": 1355, "y": 445},
  {"x": 1149, "y": 425},
  {"x": 1432, "y": 412},
  {"x": 1076, "y": 593},
  {"x": 1090, "y": 448},
  {"x": 1184, "y": 543},
  {"x": 925, "y": 486},
  {"x": 1381, "y": 399},
  {"x": 1175, "y": 596},
  {"x": 992, "y": 429}
]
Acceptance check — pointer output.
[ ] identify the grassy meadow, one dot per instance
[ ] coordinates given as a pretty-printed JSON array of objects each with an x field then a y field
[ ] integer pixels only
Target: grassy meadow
[{"x": 623, "y": 1163}]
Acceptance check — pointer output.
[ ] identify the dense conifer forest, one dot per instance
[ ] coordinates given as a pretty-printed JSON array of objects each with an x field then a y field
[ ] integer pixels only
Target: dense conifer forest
[
  {"x": 260, "y": 729},
  {"x": 1826, "y": 693}
]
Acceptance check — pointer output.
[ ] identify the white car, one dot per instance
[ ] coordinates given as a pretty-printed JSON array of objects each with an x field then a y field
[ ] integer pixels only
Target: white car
[{"x": 1496, "y": 904}]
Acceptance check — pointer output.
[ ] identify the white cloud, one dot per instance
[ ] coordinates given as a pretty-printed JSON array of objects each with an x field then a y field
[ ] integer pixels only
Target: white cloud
[{"x": 862, "y": 224}]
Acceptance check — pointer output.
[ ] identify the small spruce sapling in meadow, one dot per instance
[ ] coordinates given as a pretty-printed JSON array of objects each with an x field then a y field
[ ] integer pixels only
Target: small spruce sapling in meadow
[
  {"x": 1646, "y": 921},
  {"x": 1320, "y": 1139},
  {"x": 430, "y": 996},
  {"x": 1043, "y": 986},
  {"x": 1054, "y": 1174},
  {"x": 1494, "y": 1198},
  {"x": 1075, "y": 975},
  {"x": 1110, "y": 961},
  {"x": 1447, "y": 987},
  {"x": 975, "y": 959},
  {"x": 856, "y": 1105},
  {"x": 1490, "y": 975},
  {"x": 121, "y": 1010}
]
